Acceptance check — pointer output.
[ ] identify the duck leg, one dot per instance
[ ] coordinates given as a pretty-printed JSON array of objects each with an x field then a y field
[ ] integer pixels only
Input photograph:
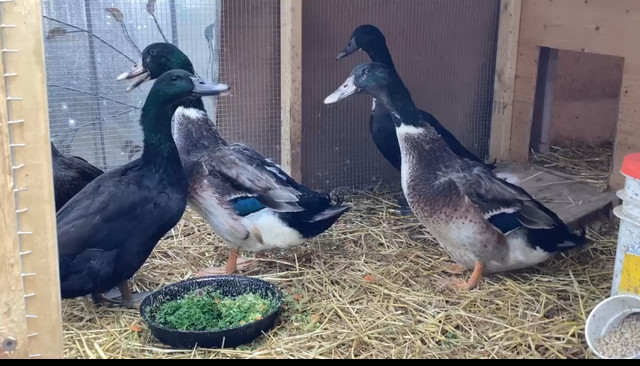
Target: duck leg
[
  {"x": 234, "y": 264},
  {"x": 473, "y": 282},
  {"x": 122, "y": 296},
  {"x": 476, "y": 276},
  {"x": 101, "y": 300},
  {"x": 127, "y": 296}
]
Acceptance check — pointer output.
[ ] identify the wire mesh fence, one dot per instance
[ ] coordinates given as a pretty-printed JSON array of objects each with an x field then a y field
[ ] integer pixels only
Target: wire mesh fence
[
  {"x": 444, "y": 50},
  {"x": 89, "y": 43}
]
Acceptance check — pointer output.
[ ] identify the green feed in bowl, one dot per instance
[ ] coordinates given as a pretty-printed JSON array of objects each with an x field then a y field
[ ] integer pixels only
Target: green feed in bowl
[{"x": 203, "y": 310}]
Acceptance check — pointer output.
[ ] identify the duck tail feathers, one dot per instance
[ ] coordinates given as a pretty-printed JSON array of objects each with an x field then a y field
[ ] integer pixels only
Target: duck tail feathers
[
  {"x": 331, "y": 213},
  {"x": 574, "y": 240}
]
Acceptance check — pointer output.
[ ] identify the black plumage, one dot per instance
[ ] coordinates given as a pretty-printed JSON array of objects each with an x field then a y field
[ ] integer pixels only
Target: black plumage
[
  {"x": 108, "y": 230},
  {"x": 370, "y": 39},
  {"x": 70, "y": 175}
]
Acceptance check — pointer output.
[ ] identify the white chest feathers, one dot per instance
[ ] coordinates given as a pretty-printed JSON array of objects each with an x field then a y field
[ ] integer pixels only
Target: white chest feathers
[{"x": 405, "y": 135}]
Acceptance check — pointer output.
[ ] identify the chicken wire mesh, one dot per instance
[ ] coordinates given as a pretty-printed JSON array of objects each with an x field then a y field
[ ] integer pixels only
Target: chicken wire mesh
[
  {"x": 445, "y": 52},
  {"x": 443, "y": 49},
  {"x": 88, "y": 43}
]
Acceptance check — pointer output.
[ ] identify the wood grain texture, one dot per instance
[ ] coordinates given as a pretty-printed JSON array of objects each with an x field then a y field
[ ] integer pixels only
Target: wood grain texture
[
  {"x": 595, "y": 26},
  {"x": 38, "y": 223},
  {"x": 291, "y": 48},
  {"x": 505, "y": 79},
  {"x": 13, "y": 324}
]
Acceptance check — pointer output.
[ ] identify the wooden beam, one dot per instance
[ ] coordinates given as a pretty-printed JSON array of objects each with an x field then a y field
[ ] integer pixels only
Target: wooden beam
[
  {"x": 13, "y": 323},
  {"x": 291, "y": 74},
  {"x": 36, "y": 225},
  {"x": 505, "y": 78}
]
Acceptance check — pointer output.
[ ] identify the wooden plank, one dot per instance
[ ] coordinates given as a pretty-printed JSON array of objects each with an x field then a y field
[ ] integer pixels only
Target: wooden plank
[
  {"x": 291, "y": 74},
  {"x": 505, "y": 79},
  {"x": 595, "y": 26},
  {"x": 38, "y": 223},
  {"x": 13, "y": 323},
  {"x": 523, "y": 103}
]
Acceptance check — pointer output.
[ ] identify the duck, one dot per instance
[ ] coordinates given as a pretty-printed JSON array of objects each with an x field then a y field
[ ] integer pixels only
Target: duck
[
  {"x": 70, "y": 175},
  {"x": 107, "y": 231},
  {"x": 484, "y": 223},
  {"x": 248, "y": 201},
  {"x": 370, "y": 39}
]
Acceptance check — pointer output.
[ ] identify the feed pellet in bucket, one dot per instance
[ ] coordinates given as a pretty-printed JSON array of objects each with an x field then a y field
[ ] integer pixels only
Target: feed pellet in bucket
[{"x": 623, "y": 341}]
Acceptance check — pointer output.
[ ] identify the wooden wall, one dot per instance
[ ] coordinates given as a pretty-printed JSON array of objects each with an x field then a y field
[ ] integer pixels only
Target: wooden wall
[{"x": 592, "y": 26}]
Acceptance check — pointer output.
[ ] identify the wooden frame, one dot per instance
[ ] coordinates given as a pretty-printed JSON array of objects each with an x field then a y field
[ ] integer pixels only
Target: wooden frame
[
  {"x": 505, "y": 79},
  {"x": 596, "y": 26},
  {"x": 30, "y": 293},
  {"x": 291, "y": 74}
]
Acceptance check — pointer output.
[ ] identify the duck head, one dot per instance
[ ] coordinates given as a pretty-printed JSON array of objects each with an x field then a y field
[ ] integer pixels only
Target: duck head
[
  {"x": 374, "y": 79},
  {"x": 367, "y": 38},
  {"x": 156, "y": 60},
  {"x": 176, "y": 87}
]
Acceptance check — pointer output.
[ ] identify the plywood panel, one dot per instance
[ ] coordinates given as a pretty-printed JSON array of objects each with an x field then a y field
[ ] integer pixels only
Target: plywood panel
[
  {"x": 594, "y": 26},
  {"x": 586, "y": 98}
]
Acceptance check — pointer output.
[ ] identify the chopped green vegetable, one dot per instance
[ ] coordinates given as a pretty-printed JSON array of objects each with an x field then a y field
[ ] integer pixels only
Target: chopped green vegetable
[{"x": 210, "y": 311}]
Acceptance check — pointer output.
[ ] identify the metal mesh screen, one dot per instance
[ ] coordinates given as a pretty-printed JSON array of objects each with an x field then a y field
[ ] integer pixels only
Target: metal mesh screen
[
  {"x": 444, "y": 51},
  {"x": 91, "y": 114}
]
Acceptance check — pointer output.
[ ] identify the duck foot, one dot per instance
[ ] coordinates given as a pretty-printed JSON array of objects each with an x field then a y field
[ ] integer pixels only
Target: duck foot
[
  {"x": 123, "y": 297},
  {"x": 100, "y": 300},
  {"x": 474, "y": 281},
  {"x": 404, "y": 208},
  {"x": 234, "y": 264},
  {"x": 455, "y": 268}
]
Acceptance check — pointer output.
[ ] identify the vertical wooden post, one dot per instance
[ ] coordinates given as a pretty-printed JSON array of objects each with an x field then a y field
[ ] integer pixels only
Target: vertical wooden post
[
  {"x": 291, "y": 74},
  {"x": 505, "y": 79},
  {"x": 25, "y": 79},
  {"x": 13, "y": 321}
]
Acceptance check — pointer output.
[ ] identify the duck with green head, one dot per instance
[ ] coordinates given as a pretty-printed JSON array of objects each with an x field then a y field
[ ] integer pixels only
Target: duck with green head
[
  {"x": 248, "y": 201},
  {"x": 108, "y": 230},
  {"x": 485, "y": 223}
]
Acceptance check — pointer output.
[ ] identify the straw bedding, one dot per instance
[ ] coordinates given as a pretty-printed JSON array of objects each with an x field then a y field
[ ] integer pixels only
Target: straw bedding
[{"x": 370, "y": 288}]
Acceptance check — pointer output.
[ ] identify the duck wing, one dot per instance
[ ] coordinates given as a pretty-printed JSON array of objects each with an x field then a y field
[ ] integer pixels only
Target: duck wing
[
  {"x": 505, "y": 205},
  {"x": 113, "y": 211},
  {"x": 238, "y": 173}
]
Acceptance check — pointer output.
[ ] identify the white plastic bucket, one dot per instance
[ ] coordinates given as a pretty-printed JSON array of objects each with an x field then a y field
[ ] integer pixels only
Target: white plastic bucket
[{"x": 626, "y": 279}]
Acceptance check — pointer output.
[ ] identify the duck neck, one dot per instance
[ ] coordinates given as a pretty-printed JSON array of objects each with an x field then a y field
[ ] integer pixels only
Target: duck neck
[
  {"x": 194, "y": 129},
  {"x": 159, "y": 147},
  {"x": 380, "y": 53},
  {"x": 397, "y": 100}
]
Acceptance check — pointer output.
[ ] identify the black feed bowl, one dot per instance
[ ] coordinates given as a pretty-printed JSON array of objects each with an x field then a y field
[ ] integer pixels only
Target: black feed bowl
[{"x": 229, "y": 286}]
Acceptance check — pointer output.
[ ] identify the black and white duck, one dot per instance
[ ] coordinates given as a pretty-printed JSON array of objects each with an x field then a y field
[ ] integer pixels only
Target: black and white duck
[
  {"x": 370, "y": 39},
  {"x": 70, "y": 175},
  {"x": 108, "y": 230},
  {"x": 485, "y": 223},
  {"x": 248, "y": 201}
]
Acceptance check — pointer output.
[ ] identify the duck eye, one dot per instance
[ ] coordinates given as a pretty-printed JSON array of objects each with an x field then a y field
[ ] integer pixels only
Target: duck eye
[
  {"x": 153, "y": 52},
  {"x": 175, "y": 78}
]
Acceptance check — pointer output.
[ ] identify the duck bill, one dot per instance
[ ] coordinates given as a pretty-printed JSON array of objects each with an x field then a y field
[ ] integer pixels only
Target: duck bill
[
  {"x": 351, "y": 49},
  {"x": 345, "y": 91},
  {"x": 138, "y": 75},
  {"x": 203, "y": 88}
]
